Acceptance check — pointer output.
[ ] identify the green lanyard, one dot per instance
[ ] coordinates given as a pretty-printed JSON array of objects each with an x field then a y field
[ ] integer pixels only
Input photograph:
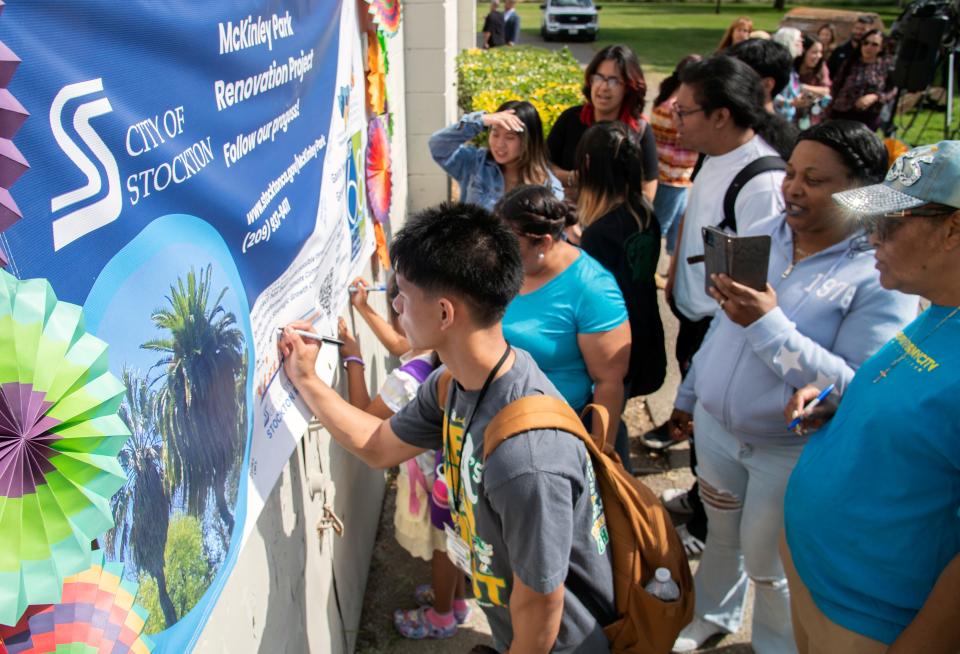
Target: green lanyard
[{"x": 455, "y": 479}]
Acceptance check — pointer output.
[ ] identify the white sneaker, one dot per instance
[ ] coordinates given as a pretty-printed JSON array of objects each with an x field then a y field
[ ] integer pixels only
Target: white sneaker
[
  {"x": 696, "y": 634},
  {"x": 675, "y": 499},
  {"x": 693, "y": 545}
]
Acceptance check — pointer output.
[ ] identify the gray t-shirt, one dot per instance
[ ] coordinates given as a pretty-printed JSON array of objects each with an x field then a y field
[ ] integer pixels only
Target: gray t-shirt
[{"x": 533, "y": 510}]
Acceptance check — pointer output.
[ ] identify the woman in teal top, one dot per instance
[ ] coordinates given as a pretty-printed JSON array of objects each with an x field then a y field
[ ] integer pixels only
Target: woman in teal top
[
  {"x": 872, "y": 510},
  {"x": 570, "y": 315}
]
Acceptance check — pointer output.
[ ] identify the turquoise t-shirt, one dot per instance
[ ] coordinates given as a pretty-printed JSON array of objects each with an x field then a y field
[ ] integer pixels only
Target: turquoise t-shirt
[
  {"x": 872, "y": 509},
  {"x": 583, "y": 299}
]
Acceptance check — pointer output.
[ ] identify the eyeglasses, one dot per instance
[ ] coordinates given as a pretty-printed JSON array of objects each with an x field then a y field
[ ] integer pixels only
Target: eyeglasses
[
  {"x": 612, "y": 82},
  {"x": 884, "y": 225},
  {"x": 682, "y": 113}
]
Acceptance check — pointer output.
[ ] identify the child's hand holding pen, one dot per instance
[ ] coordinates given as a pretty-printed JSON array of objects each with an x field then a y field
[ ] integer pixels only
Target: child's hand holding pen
[{"x": 359, "y": 288}]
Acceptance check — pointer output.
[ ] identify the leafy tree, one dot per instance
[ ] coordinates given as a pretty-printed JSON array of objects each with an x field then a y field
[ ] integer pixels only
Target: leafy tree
[
  {"x": 149, "y": 599},
  {"x": 186, "y": 570},
  {"x": 185, "y": 563},
  {"x": 199, "y": 404},
  {"x": 141, "y": 508}
]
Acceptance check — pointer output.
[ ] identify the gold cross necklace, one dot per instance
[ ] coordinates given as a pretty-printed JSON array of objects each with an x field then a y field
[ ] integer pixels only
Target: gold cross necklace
[{"x": 903, "y": 355}]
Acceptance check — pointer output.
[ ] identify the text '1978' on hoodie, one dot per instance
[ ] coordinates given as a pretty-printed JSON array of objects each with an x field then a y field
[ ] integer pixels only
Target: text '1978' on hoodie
[{"x": 831, "y": 315}]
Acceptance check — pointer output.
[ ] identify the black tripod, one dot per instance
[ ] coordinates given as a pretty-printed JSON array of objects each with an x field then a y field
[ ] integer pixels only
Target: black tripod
[
  {"x": 931, "y": 97},
  {"x": 928, "y": 33}
]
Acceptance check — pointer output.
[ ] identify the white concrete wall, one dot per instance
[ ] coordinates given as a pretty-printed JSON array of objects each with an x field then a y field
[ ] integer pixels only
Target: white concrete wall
[
  {"x": 294, "y": 590},
  {"x": 434, "y": 33}
]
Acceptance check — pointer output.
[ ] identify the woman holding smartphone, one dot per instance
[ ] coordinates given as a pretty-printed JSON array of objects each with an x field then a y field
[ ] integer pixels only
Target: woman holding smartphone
[{"x": 823, "y": 313}]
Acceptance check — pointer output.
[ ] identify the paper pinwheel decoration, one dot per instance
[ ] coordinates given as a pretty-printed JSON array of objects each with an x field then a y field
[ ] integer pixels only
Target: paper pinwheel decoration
[
  {"x": 59, "y": 439},
  {"x": 376, "y": 76},
  {"x": 12, "y": 163},
  {"x": 97, "y": 614},
  {"x": 386, "y": 14},
  {"x": 379, "y": 188}
]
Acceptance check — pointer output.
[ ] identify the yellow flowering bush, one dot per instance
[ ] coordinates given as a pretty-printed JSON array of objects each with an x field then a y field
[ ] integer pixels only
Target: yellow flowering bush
[{"x": 550, "y": 81}]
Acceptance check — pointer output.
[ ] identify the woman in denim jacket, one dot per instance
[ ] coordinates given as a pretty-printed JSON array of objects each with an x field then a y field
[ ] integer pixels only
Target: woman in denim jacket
[{"x": 515, "y": 155}]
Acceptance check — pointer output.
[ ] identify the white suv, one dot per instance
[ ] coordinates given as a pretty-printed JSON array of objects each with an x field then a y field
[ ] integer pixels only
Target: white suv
[{"x": 569, "y": 18}]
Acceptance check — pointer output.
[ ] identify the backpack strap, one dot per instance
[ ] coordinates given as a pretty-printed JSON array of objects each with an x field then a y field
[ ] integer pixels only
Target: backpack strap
[
  {"x": 748, "y": 172},
  {"x": 542, "y": 412}
]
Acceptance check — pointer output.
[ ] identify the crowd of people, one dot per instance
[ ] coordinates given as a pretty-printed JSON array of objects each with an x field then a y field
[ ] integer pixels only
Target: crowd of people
[{"x": 542, "y": 280}]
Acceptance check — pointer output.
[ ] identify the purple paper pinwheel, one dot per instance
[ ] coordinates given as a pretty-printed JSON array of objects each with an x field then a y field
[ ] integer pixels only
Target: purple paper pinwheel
[
  {"x": 59, "y": 440},
  {"x": 12, "y": 163}
]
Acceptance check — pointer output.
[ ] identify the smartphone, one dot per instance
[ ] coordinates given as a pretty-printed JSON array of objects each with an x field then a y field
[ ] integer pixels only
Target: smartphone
[{"x": 745, "y": 259}]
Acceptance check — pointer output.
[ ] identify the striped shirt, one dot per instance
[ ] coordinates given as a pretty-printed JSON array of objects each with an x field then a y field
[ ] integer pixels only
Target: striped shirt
[{"x": 674, "y": 162}]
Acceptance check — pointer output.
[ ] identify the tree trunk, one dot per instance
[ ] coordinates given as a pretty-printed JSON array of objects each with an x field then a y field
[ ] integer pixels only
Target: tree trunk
[
  {"x": 224, "y": 510},
  {"x": 717, "y": 10},
  {"x": 169, "y": 613},
  {"x": 779, "y": 5}
]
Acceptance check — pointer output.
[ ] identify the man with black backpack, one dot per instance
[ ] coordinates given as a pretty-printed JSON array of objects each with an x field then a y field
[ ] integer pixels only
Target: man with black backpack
[{"x": 719, "y": 111}]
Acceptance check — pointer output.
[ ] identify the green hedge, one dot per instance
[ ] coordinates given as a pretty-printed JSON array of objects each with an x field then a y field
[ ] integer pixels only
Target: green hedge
[{"x": 549, "y": 80}]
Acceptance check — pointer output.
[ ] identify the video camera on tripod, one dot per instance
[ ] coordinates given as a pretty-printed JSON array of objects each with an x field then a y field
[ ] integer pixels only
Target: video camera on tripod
[{"x": 928, "y": 36}]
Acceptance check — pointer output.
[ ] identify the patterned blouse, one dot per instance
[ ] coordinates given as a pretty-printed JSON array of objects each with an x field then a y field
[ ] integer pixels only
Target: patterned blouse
[
  {"x": 675, "y": 163},
  {"x": 860, "y": 78}
]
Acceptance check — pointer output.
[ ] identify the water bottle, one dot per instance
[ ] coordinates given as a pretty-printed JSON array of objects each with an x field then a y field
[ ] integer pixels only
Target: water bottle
[{"x": 663, "y": 587}]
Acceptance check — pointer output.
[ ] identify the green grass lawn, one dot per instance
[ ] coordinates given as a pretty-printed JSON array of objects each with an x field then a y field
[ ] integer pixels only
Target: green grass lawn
[
  {"x": 928, "y": 128},
  {"x": 662, "y": 33}
]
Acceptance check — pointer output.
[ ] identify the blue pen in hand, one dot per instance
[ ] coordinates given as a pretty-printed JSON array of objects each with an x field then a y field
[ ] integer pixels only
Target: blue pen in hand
[
  {"x": 368, "y": 289},
  {"x": 807, "y": 409}
]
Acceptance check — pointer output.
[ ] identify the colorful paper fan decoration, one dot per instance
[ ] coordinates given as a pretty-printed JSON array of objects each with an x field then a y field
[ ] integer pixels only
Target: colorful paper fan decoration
[
  {"x": 97, "y": 615},
  {"x": 59, "y": 440},
  {"x": 386, "y": 14},
  {"x": 12, "y": 163},
  {"x": 376, "y": 76},
  {"x": 379, "y": 186}
]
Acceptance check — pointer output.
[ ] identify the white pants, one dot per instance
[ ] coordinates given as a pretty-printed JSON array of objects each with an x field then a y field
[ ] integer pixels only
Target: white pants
[{"x": 742, "y": 488}]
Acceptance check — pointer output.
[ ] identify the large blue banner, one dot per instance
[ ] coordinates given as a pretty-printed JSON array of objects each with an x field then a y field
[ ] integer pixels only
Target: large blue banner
[{"x": 195, "y": 181}]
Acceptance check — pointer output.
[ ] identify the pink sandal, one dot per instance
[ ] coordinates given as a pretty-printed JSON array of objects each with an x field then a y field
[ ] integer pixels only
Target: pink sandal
[
  {"x": 415, "y": 625},
  {"x": 423, "y": 595}
]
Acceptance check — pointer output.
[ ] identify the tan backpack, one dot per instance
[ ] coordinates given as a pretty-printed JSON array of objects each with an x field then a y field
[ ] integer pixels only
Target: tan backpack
[{"x": 642, "y": 536}]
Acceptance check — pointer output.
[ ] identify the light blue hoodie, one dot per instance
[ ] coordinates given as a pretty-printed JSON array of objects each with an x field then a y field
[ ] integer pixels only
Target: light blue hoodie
[{"x": 832, "y": 314}]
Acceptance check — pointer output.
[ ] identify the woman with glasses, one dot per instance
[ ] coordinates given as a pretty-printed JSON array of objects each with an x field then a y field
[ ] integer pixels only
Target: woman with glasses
[
  {"x": 621, "y": 232},
  {"x": 569, "y": 314},
  {"x": 515, "y": 153},
  {"x": 820, "y": 315},
  {"x": 860, "y": 89},
  {"x": 872, "y": 550},
  {"x": 614, "y": 89}
]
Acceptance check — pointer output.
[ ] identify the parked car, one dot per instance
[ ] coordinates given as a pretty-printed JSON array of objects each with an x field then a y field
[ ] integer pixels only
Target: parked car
[{"x": 569, "y": 18}]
